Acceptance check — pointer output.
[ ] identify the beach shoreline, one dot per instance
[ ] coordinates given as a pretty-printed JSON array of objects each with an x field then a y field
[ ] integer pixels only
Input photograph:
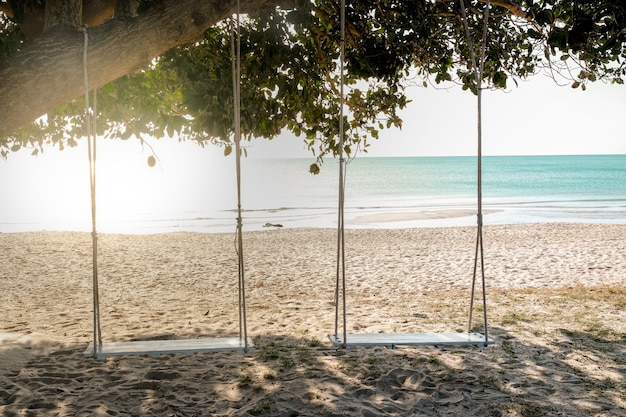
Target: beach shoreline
[{"x": 555, "y": 303}]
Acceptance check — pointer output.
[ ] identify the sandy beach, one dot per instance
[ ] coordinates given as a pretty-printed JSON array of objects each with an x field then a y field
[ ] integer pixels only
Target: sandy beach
[{"x": 556, "y": 308}]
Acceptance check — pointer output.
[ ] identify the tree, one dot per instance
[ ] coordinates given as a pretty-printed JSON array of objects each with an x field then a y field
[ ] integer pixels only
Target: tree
[{"x": 163, "y": 67}]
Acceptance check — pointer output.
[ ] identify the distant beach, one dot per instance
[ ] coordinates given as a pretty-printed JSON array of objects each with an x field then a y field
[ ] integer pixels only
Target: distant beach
[{"x": 555, "y": 305}]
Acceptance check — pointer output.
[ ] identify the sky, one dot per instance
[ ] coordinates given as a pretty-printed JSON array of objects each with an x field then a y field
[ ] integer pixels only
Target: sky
[{"x": 536, "y": 118}]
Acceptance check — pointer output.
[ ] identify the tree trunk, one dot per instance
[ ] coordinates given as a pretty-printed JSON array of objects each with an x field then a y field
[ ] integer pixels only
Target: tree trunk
[{"x": 49, "y": 71}]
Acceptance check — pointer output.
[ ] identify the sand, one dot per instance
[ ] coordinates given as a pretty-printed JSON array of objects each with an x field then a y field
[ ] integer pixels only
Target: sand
[{"x": 556, "y": 308}]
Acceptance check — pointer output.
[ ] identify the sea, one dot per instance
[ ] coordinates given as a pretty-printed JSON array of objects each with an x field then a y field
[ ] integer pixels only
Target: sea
[
  {"x": 441, "y": 191},
  {"x": 393, "y": 192}
]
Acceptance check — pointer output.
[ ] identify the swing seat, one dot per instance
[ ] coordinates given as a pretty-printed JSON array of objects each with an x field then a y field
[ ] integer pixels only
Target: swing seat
[
  {"x": 155, "y": 348},
  {"x": 391, "y": 340}
]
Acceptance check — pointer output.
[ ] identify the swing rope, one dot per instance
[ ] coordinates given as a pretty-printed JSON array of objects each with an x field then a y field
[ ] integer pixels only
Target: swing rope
[
  {"x": 91, "y": 150},
  {"x": 478, "y": 75},
  {"x": 341, "y": 253},
  {"x": 235, "y": 47}
]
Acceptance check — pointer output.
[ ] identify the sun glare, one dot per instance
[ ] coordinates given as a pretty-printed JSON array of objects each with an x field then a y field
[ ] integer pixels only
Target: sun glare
[{"x": 54, "y": 193}]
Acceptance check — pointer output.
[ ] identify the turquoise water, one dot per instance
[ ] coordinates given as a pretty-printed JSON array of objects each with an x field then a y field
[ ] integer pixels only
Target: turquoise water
[
  {"x": 522, "y": 178},
  {"x": 516, "y": 189},
  {"x": 380, "y": 193}
]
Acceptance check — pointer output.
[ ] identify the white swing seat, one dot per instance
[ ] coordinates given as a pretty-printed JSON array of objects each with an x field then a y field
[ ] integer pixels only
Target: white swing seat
[
  {"x": 156, "y": 348},
  {"x": 391, "y": 340}
]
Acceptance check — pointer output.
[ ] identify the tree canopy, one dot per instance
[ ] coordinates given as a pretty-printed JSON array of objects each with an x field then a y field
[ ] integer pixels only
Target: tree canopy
[{"x": 163, "y": 67}]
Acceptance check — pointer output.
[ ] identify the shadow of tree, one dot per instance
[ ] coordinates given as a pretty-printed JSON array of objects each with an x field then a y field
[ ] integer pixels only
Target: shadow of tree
[{"x": 577, "y": 374}]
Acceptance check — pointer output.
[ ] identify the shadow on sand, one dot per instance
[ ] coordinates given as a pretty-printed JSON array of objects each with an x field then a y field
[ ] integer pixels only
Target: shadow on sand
[{"x": 286, "y": 376}]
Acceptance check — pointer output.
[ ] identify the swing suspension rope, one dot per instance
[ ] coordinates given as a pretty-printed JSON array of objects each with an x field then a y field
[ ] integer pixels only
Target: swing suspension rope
[
  {"x": 235, "y": 47},
  {"x": 341, "y": 255},
  {"x": 90, "y": 113},
  {"x": 478, "y": 68},
  {"x": 91, "y": 133}
]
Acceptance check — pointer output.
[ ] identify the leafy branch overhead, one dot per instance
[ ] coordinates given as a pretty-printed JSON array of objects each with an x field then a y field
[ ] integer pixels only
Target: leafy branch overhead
[{"x": 163, "y": 67}]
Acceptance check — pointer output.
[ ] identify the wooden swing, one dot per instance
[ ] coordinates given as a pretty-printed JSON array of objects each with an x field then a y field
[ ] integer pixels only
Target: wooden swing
[
  {"x": 391, "y": 340},
  {"x": 101, "y": 350}
]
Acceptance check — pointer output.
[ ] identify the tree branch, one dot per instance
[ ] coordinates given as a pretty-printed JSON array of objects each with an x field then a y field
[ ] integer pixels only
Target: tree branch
[
  {"x": 63, "y": 13},
  {"x": 513, "y": 8},
  {"x": 49, "y": 71}
]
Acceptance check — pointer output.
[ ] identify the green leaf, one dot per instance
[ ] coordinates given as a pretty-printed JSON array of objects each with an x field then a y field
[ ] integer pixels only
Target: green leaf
[
  {"x": 125, "y": 135},
  {"x": 314, "y": 169}
]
